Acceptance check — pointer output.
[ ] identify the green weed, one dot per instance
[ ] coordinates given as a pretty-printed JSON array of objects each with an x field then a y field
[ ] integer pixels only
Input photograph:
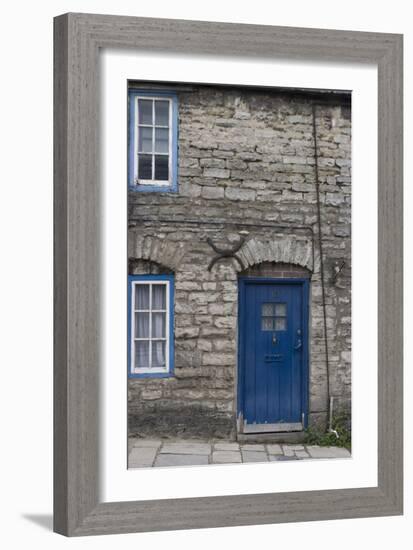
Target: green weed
[{"x": 340, "y": 424}]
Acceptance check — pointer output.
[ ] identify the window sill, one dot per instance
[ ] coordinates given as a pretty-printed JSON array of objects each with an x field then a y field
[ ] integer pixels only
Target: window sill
[
  {"x": 139, "y": 188},
  {"x": 151, "y": 375}
]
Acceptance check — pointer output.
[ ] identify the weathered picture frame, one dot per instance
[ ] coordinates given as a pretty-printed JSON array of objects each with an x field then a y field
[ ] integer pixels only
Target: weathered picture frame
[{"x": 77, "y": 508}]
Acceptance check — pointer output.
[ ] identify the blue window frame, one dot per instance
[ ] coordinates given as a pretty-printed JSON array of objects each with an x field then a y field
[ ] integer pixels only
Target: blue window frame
[
  {"x": 150, "y": 325},
  {"x": 152, "y": 141}
]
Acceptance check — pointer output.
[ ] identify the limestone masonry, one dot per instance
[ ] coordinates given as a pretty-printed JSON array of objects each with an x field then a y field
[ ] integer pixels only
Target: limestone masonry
[{"x": 246, "y": 168}]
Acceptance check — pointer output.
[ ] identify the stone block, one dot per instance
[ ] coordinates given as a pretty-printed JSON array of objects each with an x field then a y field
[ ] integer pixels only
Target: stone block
[
  {"x": 148, "y": 395},
  {"x": 334, "y": 199},
  {"x": 187, "y": 332},
  {"x": 346, "y": 356},
  {"x": 186, "y": 448},
  {"x": 288, "y": 451},
  {"x": 226, "y": 446},
  {"x": 225, "y": 322},
  {"x": 142, "y": 457},
  {"x": 226, "y": 457},
  {"x": 294, "y": 160},
  {"x": 274, "y": 449},
  {"x": 219, "y": 173},
  {"x": 211, "y": 162},
  {"x": 181, "y": 460},
  {"x": 213, "y": 192},
  {"x": 253, "y": 447},
  {"x": 301, "y": 454},
  {"x": 218, "y": 359},
  {"x": 254, "y": 456},
  {"x": 154, "y": 443},
  {"x": 189, "y": 189},
  {"x": 281, "y": 458},
  {"x": 239, "y": 194},
  {"x": 328, "y": 452}
]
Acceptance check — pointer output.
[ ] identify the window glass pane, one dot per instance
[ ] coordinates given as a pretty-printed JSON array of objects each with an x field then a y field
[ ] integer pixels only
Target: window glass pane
[
  {"x": 141, "y": 325},
  {"x": 161, "y": 113},
  {"x": 141, "y": 296},
  {"x": 267, "y": 309},
  {"x": 267, "y": 323},
  {"x": 158, "y": 296},
  {"x": 281, "y": 310},
  {"x": 145, "y": 140},
  {"x": 158, "y": 354},
  {"x": 281, "y": 323},
  {"x": 145, "y": 111},
  {"x": 161, "y": 167},
  {"x": 158, "y": 325},
  {"x": 161, "y": 140},
  {"x": 142, "y": 354},
  {"x": 145, "y": 167}
]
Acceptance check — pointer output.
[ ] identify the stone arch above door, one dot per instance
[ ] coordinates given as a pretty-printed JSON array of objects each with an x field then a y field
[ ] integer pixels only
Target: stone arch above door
[{"x": 283, "y": 249}]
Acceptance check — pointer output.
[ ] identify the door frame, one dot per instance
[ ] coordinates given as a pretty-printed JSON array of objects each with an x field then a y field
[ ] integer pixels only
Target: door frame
[{"x": 243, "y": 282}]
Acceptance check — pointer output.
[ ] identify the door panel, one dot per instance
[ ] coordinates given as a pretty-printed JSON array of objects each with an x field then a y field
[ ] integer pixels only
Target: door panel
[{"x": 272, "y": 348}]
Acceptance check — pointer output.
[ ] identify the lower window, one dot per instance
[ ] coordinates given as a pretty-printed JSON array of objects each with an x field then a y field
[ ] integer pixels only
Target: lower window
[{"x": 150, "y": 325}]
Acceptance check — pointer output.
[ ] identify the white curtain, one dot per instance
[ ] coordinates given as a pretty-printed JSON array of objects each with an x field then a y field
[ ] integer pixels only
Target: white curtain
[
  {"x": 142, "y": 297},
  {"x": 158, "y": 325},
  {"x": 158, "y": 353},
  {"x": 142, "y": 325},
  {"x": 158, "y": 296},
  {"x": 142, "y": 354}
]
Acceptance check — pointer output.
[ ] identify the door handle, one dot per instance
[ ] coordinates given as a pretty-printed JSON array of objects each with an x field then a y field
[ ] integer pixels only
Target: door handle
[{"x": 299, "y": 343}]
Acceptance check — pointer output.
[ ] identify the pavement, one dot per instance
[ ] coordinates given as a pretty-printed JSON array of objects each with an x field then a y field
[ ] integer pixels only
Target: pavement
[{"x": 146, "y": 453}]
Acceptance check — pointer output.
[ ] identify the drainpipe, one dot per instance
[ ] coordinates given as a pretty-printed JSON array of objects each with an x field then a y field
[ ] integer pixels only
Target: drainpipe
[{"x": 330, "y": 399}]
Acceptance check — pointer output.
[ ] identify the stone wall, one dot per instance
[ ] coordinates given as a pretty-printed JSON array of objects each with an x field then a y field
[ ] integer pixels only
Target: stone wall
[{"x": 246, "y": 170}]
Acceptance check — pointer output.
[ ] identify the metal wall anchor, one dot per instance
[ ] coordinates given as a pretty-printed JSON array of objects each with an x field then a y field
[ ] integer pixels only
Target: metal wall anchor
[
  {"x": 227, "y": 253},
  {"x": 337, "y": 269}
]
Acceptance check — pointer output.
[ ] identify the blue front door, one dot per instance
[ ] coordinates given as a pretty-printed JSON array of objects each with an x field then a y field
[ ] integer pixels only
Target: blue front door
[{"x": 273, "y": 354}]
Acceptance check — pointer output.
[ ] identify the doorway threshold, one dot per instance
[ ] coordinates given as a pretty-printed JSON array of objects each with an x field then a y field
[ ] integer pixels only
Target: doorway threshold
[{"x": 274, "y": 437}]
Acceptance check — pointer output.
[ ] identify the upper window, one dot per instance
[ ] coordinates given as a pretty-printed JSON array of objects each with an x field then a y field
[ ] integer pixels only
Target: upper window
[
  {"x": 152, "y": 141},
  {"x": 151, "y": 325}
]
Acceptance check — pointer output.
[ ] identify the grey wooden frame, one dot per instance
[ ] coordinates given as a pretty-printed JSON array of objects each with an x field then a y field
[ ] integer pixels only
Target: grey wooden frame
[{"x": 78, "y": 39}]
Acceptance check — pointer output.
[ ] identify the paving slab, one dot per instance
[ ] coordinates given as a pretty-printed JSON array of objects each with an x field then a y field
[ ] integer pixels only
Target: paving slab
[
  {"x": 226, "y": 446},
  {"x": 288, "y": 451},
  {"x": 142, "y": 457},
  {"x": 301, "y": 454},
  {"x": 182, "y": 441},
  {"x": 180, "y": 460},
  {"x": 186, "y": 448},
  {"x": 146, "y": 443},
  {"x": 146, "y": 452},
  {"x": 254, "y": 456},
  {"x": 274, "y": 449},
  {"x": 281, "y": 458},
  {"x": 253, "y": 447},
  {"x": 225, "y": 457},
  {"x": 328, "y": 452}
]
